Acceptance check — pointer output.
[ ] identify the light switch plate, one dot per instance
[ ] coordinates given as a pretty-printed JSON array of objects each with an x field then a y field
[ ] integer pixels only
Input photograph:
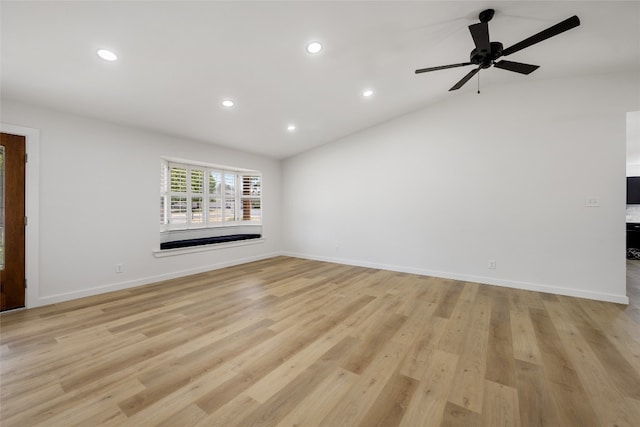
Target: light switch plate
[{"x": 592, "y": 202}]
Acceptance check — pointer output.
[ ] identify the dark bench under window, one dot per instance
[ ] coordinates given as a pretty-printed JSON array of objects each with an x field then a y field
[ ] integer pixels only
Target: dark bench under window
[{"x": 207, "y": 241}]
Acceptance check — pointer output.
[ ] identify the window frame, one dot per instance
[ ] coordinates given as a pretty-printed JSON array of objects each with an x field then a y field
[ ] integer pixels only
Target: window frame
[{"x": 236, "y": 197}]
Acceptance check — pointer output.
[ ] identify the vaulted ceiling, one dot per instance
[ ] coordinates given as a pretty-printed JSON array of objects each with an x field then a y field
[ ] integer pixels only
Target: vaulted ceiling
[{"x": 178, "y": 60}]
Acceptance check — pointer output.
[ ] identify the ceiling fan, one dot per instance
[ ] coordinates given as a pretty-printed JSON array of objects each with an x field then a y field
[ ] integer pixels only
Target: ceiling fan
[{"x": 487, "y": 52}]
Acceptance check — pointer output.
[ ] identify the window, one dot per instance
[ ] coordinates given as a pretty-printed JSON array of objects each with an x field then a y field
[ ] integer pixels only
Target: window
[{"x": 195, "y": 196}]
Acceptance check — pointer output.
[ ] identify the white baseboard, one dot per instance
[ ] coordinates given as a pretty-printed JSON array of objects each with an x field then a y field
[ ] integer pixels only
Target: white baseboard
[
  {"x": 599, "y": 296},
  {"x": 52, "y": 299}
]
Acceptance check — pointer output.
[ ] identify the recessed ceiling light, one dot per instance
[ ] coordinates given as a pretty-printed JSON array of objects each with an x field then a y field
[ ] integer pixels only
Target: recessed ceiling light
[
  {"x": 367, "y": 93},
  {"x": 291, "y": 128},
  {"x": 314, "y": 47},
  {"x": 228, "y": 103},
  {"x": 107, "y": 55}
]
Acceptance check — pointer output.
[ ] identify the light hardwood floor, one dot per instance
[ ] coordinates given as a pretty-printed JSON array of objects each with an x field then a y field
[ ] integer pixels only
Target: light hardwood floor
[{"x": 292, "y": 342}]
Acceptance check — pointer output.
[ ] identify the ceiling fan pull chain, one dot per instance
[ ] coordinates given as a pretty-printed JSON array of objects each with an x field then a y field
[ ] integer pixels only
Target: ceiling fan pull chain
[{"x": 478, "y": 82}]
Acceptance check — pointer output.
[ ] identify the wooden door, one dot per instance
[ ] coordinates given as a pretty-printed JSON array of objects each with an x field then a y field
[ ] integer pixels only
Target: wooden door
[{"x": 12, "y": 220}]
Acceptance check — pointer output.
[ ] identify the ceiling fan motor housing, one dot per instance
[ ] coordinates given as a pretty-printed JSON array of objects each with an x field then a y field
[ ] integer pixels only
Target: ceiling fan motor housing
[{"x": 485, "y": 59}]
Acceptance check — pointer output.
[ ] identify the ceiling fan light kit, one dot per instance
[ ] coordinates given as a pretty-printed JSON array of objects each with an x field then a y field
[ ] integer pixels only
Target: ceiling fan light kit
[{"x": 486, "y": 52}]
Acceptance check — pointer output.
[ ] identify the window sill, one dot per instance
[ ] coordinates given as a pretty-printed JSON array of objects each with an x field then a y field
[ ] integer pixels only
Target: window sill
[
  {"x": 162, "y": 253},
  {"x": 229, "y": 224}
]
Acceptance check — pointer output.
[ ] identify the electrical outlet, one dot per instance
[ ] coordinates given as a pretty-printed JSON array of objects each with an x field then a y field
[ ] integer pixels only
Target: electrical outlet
[
  {"x": 492, "y": 264},
  {"x": 119, "y": 268}
]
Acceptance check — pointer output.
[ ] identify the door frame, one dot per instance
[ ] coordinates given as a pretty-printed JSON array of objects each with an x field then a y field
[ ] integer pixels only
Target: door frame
[{"x": 32, "y": 210}]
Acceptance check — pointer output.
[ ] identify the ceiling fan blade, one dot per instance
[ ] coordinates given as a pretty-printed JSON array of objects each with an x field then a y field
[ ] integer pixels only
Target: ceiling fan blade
[
  {"x": 465, "y": 79},
  {"x": 480, "y": 34},
  {"x": 443, "y": 67},
  {"x": 518, "y": 67},
  {"x": 561, "y": 27}
]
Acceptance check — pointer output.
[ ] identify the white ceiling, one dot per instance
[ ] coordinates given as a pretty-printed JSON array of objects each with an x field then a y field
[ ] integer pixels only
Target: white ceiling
[{"x": 179, "y": 59}]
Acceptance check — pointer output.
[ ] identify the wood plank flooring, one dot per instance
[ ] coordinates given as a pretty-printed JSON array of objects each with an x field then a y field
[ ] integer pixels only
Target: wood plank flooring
[{"x": 292, "y": 342}]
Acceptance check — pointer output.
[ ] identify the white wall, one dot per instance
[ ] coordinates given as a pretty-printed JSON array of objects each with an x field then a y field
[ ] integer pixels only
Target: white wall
[
  {"x": 633, "y": 143},
  {"x": 503, "y": 176},
  {"x": 99, "y": 189}
]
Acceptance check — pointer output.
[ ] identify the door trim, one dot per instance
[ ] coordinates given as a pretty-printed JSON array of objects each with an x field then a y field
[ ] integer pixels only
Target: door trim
[{"x": 32, "y": 209}]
